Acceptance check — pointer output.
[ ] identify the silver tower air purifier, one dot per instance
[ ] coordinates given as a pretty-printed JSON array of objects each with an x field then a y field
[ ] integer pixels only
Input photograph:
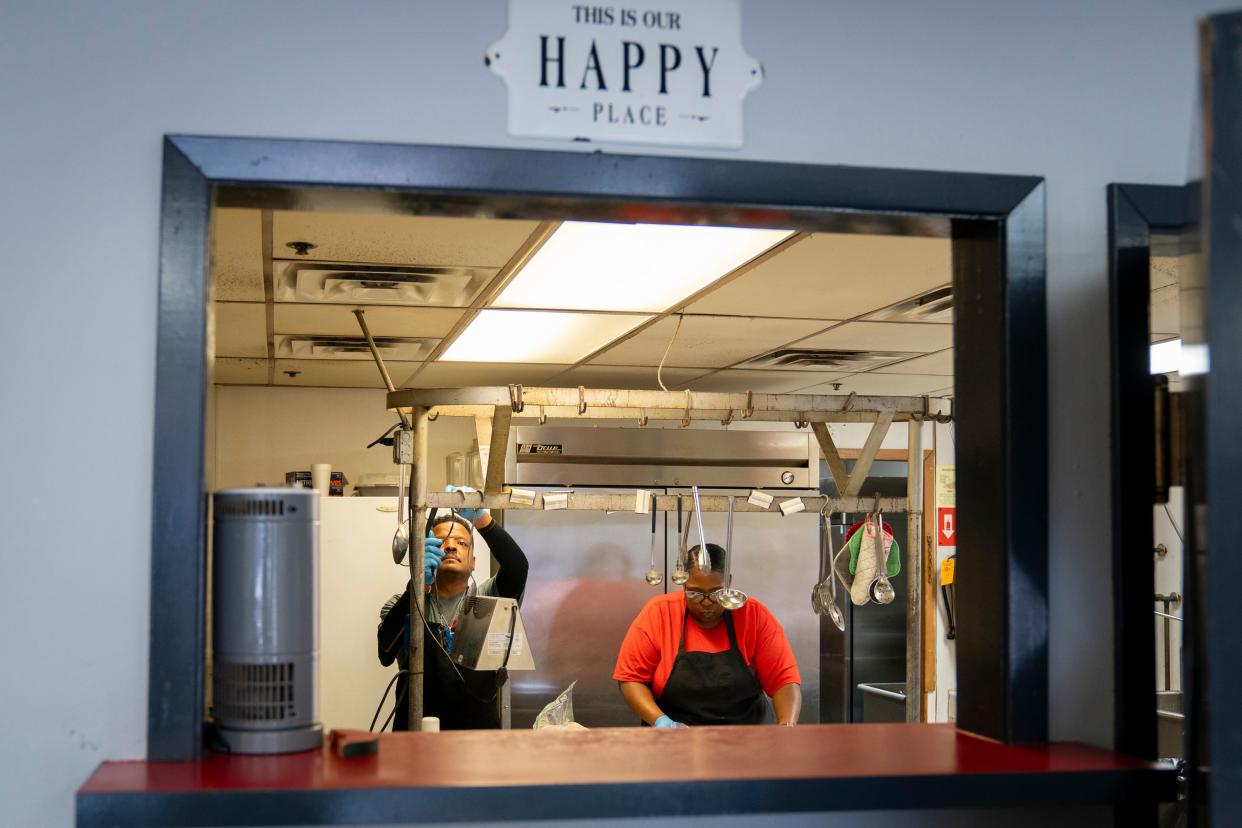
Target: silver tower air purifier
[{"x": 265, "y": 620}]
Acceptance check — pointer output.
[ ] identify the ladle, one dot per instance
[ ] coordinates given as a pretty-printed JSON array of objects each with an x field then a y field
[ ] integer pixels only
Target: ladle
[
  {"x": 882, "y": 591},
  {"x": 654, "y": 576},
  {"x": 680, "y": 575},
  {"x": 401, "y": 538},
  {"x": 729, "y": 597},
  {"x": 702, "y": 560},
  {"x": 824, "y": 594}
]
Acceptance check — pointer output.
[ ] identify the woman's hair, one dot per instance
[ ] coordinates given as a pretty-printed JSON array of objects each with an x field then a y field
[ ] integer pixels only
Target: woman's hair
[
  {"x": 714, "y": 551},
  {"x": 452, "y": 518}
]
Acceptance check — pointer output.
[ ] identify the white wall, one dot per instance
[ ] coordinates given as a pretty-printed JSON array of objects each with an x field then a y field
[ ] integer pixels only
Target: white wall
[
  {"x": 1169, "y": 579},
  {"x": 261, "y": 433},
  {"x": 1082, "y": 93}
]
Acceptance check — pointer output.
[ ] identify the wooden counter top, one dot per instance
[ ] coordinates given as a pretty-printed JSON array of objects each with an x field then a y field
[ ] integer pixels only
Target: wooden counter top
[{"x": 614, "y": 772}]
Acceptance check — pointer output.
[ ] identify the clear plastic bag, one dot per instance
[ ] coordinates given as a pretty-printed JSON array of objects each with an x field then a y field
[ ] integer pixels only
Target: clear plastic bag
[{"x": 559, "y": 713}]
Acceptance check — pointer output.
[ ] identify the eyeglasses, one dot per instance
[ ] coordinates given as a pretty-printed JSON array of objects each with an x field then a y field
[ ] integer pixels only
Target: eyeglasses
[{"x": 695, "y": 595}]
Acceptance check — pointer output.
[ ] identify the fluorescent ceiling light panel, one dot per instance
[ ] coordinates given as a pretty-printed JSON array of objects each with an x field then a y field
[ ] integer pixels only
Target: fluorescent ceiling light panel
[
  {"x": 538, "y": 336},
  {"x": 631, "y": 267}
]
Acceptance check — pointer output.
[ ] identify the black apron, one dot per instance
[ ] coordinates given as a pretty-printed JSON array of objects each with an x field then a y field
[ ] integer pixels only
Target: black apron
[
  {"x": 714, "y": 688},
  {"x": 469, "y": 706}
]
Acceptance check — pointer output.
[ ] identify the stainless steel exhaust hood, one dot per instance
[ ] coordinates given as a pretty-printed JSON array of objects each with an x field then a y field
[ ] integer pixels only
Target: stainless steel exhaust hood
[{"x": 592, "y": 456}]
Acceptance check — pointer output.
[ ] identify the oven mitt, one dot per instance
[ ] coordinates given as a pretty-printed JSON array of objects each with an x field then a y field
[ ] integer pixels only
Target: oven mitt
[
  {"x": 865, "y": 564},
  {"x": 854, "y": 540}
]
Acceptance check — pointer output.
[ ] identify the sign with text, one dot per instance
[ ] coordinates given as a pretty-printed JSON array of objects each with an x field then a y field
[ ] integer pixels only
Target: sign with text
[
  {"x": 669, "y": 73},
  {"x": 946, "y": 526}
]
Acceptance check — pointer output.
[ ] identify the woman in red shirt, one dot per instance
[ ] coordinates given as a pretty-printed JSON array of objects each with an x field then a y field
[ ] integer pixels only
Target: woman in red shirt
[{"x": 688, "y": 661}]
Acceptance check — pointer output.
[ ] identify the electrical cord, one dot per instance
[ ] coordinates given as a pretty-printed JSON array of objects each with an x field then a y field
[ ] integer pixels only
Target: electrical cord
[
  {"x": 1173, "y": 523},
  {"x": 380, "y": 439},
  {"x": 392, "y": 716},
  {"x": 660, "y": 369},
  {"x": 384, "y": 698}
]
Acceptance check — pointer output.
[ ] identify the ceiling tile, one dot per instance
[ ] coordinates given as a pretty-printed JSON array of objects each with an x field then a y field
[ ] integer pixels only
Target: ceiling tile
[
  {"x": 611, "y": 376},
  {"x": 894, "y": 385},
  {"x": 936, "y": 364},
  {"x": 1166, "y": 310},
  {"x": 835, "y": 276},
  {"x": 707, "y": 341},
  {"x": 337, "y": 373},
  {"x": 230, "y": 371},
  {"x": 339, "y": 320},
  {"x": 237, "y": 255},
  {"x": 241, "y": 329},
  {"x": 467, "y": 374},
  {"x": 883, "y": 336},
  {"x": 387, "y": 239},
  {"x": 1164, "y": 271},
  {"x": 767, "y": 382}
]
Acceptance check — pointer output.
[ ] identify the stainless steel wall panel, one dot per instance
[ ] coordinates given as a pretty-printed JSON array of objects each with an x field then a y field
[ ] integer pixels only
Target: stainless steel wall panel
[{"x": 586, "y": 585}]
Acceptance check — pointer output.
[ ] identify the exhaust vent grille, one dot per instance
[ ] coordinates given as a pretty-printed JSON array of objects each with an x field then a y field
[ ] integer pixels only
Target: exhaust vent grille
[
  {"x": 247, "y": 507},
  {"x": 379, "y": 284},
  {"x": 253, "y": 692},
  {"x": 933, "y": 306},
  {"x": 832, "y": 358},
  {"x": 397, "y": 349}
]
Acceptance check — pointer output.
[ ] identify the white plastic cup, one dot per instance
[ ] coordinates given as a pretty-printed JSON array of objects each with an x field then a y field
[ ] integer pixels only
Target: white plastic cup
[
  {"x": 431, "y": 724},
  {"x": 321, "y": 477}
]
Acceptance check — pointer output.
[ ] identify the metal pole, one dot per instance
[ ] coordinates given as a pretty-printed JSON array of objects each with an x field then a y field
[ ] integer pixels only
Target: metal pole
[
  {"x": 418, "y": 536},
  {"x": 914, "y": 573},
  {"x": 379, "y": 360}
]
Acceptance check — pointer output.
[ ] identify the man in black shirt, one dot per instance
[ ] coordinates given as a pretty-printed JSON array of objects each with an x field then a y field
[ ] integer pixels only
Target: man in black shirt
[{"x": 462, "y": 699}]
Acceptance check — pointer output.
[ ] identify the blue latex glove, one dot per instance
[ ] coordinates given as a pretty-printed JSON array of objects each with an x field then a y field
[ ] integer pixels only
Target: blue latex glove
[
  {"x": 472, "y": 515},
  {"x": 665, "y": 721},
  {"x": 432, "y": 555}
]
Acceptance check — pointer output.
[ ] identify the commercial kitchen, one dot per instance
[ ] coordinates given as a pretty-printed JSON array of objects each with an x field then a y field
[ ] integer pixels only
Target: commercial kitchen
[
  {"x": 729, "y": 426},
  {"x": 540, "y": 413}
]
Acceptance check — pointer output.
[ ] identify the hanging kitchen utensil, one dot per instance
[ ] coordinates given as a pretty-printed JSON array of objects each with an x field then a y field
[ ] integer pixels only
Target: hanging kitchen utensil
[
  {"x": 654, "y": 576},
  {"x": 729, "y": 597},
  {"x": 868, "y": 564},
  {"x": 401, "y": 538},
  {"x": 882, "y": 591},
  {"x": 680, "y": 575},
  {"x": 703, "y": 561},
  {"x": 834, "y": 609},
  {"x": 824, "y": 595},
  {"x": 819, "y": 592}
]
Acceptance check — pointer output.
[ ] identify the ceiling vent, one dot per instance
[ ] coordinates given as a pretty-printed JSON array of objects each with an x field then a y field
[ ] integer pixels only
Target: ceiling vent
[
  {"x": 831, "y": 358},
  {"x": 396, "y": 349},
  {"x": 350, "y": 284},
  {"x": 933, "y": 306}
]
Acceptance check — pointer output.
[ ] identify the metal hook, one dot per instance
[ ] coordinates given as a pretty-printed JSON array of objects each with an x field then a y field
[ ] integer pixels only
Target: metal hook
[
  {"x": 877, "y": 504},
  {"x": 750, "y": 405},
  {"x": 581, "y": 400},
  {"x": 432, "y": 416},
  {"x": 685, "y": 421},
  {"x": 515, "y": 398},
  {"x": 642, "y": 420},
  {"x": 728, "y": 418},
  {"x": 802, "y": 421},
  {"x": 945, "y": 419},
  {"x": 543, "y": 417}
]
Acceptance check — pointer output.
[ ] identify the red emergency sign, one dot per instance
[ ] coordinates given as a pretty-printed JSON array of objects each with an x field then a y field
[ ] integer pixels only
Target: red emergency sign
[{"x": 946, "y": 526}]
